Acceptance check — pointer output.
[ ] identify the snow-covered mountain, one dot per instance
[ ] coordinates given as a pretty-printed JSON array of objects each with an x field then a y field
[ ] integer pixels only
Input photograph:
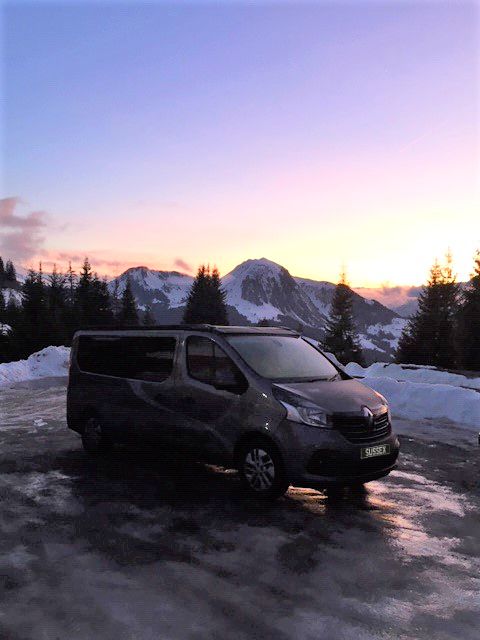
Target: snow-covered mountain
[
  {"x": 165, "y": 292},
  {"x": 261, "y": 289}
]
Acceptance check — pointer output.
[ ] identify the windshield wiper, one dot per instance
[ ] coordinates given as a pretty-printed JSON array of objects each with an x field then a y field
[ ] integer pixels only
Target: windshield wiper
[
  {"x": 296, "y": 380},
  {"x": 319, "y": 379}
]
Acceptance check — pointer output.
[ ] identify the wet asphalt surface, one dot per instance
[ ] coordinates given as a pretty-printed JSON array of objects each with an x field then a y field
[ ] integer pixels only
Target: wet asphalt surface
[{"x": 140, "y": 546}]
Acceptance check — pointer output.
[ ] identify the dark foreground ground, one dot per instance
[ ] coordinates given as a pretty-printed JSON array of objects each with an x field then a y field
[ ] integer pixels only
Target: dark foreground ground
[{"x": 142, "y": 547}]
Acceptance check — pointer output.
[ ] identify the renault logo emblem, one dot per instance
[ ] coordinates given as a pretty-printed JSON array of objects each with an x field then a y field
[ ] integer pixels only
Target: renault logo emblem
[{"x": 368, "y": 415}]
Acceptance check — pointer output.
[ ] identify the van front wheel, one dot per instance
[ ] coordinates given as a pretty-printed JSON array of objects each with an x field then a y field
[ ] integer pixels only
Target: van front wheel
[
  {"x": 262, "y": 471},
  {"x": 94, "y": 441}
]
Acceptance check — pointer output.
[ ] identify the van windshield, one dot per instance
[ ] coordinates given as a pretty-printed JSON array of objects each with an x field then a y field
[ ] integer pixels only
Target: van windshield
[{"x": 283, "y": 358}]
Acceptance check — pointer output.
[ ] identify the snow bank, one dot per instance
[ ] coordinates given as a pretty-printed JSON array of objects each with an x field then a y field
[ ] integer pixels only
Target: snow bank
[
  {"x": 412, "y": 373},
  {"x": 425, "y": 393},
  {"x": 51, "y": 361},
  {"x": 417, "y": 400}
]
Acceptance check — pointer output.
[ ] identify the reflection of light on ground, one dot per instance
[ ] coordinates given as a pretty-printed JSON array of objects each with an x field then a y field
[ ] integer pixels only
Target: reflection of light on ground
[{"x": 402, "y": 510}]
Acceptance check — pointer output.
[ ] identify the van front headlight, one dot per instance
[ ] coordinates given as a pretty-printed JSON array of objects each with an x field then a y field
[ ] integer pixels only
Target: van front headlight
[
  {"x": 299, "y": 411},
  {"x": 385, "y": 403},
  {"x": 381, "y": 397},
  {"x": 313, "y": 416}
]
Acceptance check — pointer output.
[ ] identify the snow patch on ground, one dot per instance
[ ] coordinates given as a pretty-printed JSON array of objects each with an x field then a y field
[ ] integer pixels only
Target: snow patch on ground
[
  {"x": 417, "y": 400},
  {"x": 49, "y": 362},
  {"x": 424, "y": 393},
  {"x": 412, "y": 373}
]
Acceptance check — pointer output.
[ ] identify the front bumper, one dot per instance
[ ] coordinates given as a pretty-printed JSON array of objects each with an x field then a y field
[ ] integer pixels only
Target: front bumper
[{"x": 323, "y": 457}]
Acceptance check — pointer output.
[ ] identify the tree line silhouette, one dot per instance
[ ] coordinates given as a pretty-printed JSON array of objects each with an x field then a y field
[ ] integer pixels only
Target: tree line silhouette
[
  {"x": 444, "y": 332},
  {"x": 52, "y": 307}
]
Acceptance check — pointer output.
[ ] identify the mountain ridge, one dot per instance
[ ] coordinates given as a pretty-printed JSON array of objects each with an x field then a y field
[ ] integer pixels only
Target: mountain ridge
[{"x": 260, "y": 289}]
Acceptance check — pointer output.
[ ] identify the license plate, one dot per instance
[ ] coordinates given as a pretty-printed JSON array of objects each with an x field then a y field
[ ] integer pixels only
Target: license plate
[{"x": 373, "y": 452}]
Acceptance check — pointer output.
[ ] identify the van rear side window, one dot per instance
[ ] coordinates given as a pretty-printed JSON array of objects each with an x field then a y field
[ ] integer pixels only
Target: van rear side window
[{"x": 142, "y": 358}]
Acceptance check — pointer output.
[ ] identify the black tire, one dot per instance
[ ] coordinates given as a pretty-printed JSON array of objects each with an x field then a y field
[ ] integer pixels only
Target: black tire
[
  {"x": 94, "y": 440},
  {"x": 262, "y": 471}
]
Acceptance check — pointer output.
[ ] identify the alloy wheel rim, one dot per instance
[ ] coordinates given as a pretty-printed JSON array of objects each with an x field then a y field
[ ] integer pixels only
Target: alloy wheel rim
[{"x": 259, "y": 469}]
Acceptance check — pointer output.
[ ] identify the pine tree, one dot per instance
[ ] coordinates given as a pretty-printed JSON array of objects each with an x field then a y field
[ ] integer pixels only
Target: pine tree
[
  {"x": 219, "y": 313},
  {"x": 93, "y": 303},
  {"x": 56, "y": 304},
  {"x": 31, "y": 331},
  {"x": 2, "y": 273},
  {"x": 197, "y": 301},
  {"x": 10, "y": 273},
  {"x": 468, "y": 336},
  {"x": 13, "y": 313},
  {"x": 101, "y": 302},
  {"x": 116, "y": 303},
  {"x": 341, "y": 337},
  {"x": 148, "y": 318},
  {"x": 71, "y": 280},
  {"x": 206, "y": 299},
  {"x": 446, "y": 354},
  {"x": 70, "y": 313},
  {"x": 9, "y": 314},
  {"x": 4, "y": 332},
  {"x": 83, "y": 296},
  {"x": 428, "y": 338},
  {"x": 3, "y": 307},
  {"x": 128, "y": 311}
]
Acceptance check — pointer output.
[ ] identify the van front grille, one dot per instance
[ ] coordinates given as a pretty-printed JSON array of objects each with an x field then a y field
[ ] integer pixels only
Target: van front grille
[{"x": 357, "y": 430}]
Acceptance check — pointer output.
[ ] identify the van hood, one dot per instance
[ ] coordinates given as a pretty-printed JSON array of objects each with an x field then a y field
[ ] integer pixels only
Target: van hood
[{"x": 338, "y": 396}]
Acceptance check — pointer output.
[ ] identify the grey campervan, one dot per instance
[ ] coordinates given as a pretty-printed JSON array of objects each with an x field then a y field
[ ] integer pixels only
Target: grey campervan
[{"x": 262, "y": 400}]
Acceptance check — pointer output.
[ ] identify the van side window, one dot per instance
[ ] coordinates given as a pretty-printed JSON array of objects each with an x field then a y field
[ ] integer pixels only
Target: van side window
[
  {"x": 208, "y": 363},
  {"x": 141, "y": 358},
  {"x": 200, "y": 363}
]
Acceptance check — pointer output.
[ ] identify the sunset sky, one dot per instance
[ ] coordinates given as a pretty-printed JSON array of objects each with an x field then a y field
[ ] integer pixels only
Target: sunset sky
[{"x": 314, "y": 134}]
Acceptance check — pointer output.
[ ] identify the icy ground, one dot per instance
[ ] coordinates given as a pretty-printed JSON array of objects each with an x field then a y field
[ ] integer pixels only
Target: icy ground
[{"x": 140, "y": 546}]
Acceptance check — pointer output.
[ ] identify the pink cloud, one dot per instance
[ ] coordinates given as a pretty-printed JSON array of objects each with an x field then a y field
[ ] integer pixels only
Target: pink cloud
[
  {"x": 21, "y": 236},
  {"x": 104, "y": 266},
  {"x": 181, "y": 264}
]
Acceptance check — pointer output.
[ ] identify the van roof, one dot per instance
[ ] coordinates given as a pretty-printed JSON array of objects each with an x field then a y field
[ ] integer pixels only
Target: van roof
[{"x": 210, "y": 328}]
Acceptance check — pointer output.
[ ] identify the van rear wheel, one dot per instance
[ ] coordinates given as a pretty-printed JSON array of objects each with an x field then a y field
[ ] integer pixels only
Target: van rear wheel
[
  {"x": 262, "y": 471},
  {"x": 94, "y": 440}
]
